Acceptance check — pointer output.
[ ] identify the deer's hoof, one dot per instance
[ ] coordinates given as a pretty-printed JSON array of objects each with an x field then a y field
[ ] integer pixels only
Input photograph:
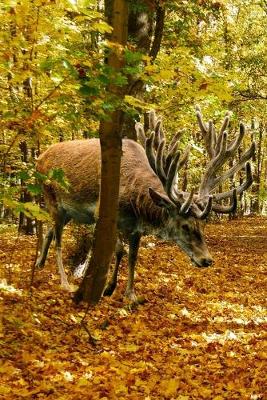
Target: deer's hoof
[
  {"x": 67, "y": 287},
  {"x": 134, "y": 300},
  {"x": 39, "y": 264}
]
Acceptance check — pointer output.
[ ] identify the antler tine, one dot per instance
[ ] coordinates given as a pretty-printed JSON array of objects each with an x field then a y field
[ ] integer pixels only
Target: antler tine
[
  {"x": 184, "y": 157},
  {"x": 227, "y": 209},
  {"x": 149, "y": 147},
  {"x": 201, "y": 123},
  {"x": 241, "y": 188},
  {"x": 172, "y": 173},
  {"x": 160, "y": 161},
  {"x": 187, "y": 204},
  {"x": 152, "y": 119},
  {"x": 140, "y": 133},
  {"x": 159, "y": 136},
  {"x": 158, "y": 128},
  {"x": 169, "y": 158},
  {"x": 202, "y": 214},
  {"x": 212, "y": 168},
  {"x": 225, "y": 122},
  {"x": 234, "y": 145},
  {"x": 175, "y": 139},
  {"x": 207, "y": 209},
  {"x": 164, "y": 166},
  {"x": 172, "y": 149},
  {"x": 224, "y": 126},
  {"x": 208, "y": 132},
  {"x": 211, "y": 140},
  {"x": 236, "y": 167},
  {"x": 182, "y": 160}
]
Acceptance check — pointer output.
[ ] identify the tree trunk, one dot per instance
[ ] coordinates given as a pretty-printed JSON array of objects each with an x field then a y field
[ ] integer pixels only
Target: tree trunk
[
  {"x": 146, "y": 23},
  {"x": 93, "y": 284},
  {"x": 25, "y": 223}
]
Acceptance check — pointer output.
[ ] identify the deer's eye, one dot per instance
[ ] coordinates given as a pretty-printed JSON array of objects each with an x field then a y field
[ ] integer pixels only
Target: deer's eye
[
  {"x": 197, "y": 235},
  {"x": 185, "y": 228}
]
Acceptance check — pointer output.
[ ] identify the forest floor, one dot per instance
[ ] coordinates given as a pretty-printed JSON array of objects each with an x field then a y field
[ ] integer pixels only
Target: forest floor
[{"x": 201, "y": 334}]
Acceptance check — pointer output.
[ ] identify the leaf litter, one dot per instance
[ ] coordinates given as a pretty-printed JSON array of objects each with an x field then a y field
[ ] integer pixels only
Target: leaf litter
[{"x": 201, "y": 334}]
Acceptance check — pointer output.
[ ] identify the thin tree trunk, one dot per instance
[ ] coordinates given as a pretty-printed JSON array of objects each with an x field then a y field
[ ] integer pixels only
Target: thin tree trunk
[
  {"x": 93, "y": 284},
  {"x": 146, "y": 23}
]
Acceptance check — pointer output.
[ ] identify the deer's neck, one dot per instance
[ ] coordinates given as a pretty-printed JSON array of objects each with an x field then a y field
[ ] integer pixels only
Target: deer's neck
[
  {"x": 147, "y": 217},
  {"x": 149, "y": 214}
]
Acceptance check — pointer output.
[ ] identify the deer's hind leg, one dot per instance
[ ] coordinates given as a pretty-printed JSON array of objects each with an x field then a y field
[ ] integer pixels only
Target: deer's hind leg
[
  {"x": 50, "y": 235},
  {"x": 134, "y": 242},
  {"x": 60, "y": 222}
]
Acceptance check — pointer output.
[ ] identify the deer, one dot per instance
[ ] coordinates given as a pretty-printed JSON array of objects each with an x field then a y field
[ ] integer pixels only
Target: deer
[{"x": 150, "y": 201}]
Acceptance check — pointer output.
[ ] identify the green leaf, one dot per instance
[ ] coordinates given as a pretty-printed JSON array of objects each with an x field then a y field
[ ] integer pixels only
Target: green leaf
[
  {"x": 58, "y": 175},
  {"x": 120, "y": 80},
  {"x": 34, "y": 189},
  {"x": 86, "y": 90},
  {"x": 23, "y": 175},
  {"x": 133, "y": 57},
  {"x": 39, "y": 176}
]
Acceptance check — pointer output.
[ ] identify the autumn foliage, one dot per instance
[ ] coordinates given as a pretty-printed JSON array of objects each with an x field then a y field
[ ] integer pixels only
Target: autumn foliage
[{"x": 200, "y": 335}]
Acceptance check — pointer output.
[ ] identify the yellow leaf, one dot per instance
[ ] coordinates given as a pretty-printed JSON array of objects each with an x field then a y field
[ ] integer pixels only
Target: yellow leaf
[
  {"x": 205, "y": 392},
  {"x": 169, "y": 386},
  {"x": 82, "y": 382},
  {"x": 4, "y": 390},
  {"x": 121, "y": 388},
  {"x": 166, "y": 74},
  {"x": 131, "y": 347}
]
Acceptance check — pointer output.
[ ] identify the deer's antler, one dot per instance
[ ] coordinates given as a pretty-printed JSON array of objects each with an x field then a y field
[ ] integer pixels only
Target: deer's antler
[
  {"x": 219, "y": 152},
  {"x": 166, "y": 161}
]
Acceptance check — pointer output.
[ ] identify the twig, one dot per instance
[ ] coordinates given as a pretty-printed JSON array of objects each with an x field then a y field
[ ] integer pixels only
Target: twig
[
  {"x": 92, "y": 340},
  {"x": 33, "y": 267},
  {"x": 11, "y": 259},
  {"x": 51, "y": 93}
]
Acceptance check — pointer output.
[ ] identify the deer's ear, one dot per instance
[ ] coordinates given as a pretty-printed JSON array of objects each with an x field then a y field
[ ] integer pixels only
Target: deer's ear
[{"x": 159, "y": 199}]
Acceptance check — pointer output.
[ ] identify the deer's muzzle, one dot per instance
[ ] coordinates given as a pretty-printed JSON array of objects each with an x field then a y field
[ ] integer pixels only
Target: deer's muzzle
[{"x": 203, "y": 262}]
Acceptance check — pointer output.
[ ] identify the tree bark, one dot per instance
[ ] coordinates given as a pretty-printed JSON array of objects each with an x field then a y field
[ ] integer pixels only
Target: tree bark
[
  {"x": 146, "y": 24},
  {"x": 94, "y": 281}
]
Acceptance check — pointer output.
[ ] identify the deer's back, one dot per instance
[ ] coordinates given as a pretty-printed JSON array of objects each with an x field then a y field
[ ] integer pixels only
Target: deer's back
[{"x": 80, "y": 161}]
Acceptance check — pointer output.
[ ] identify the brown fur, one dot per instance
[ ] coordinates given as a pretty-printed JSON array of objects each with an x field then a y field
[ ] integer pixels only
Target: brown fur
[{"x": 80, "y": 161}]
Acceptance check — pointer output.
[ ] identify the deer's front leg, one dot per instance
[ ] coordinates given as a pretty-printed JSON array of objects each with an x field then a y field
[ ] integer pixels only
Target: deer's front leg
[
  {"x": 46, "y": 244},
  {"x": 119, "y": 253},
  {"x": 134, "y": 242}
]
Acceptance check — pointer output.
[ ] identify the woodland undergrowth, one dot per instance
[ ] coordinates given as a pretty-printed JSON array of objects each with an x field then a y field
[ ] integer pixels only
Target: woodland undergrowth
[{"x": 201, "y": 334}]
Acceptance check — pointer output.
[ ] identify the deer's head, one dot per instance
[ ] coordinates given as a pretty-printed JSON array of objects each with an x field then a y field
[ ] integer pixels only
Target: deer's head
[{"x": 183, "y": 228}]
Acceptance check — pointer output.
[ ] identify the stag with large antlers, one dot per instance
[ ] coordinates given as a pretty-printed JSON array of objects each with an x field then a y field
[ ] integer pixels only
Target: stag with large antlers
[{"x": 150, "y": 201}]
